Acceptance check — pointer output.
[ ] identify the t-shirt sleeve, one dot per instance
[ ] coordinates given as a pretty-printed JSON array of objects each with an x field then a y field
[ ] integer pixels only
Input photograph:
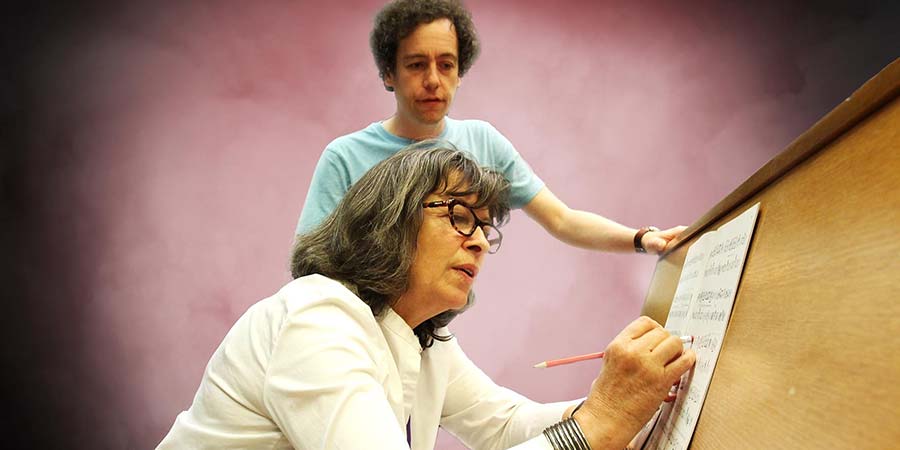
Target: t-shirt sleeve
[
  {"x": 524, "y": 183},
  {"x": 330, "y": 182},
  {"x": 323, "y": 384},
  {"x": 487, "y": 416}
]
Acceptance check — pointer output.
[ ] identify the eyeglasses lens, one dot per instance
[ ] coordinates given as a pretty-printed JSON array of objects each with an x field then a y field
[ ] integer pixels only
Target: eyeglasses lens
[
  {"x": 465, "y": 222},
  {"x": 463, "y": 219}
]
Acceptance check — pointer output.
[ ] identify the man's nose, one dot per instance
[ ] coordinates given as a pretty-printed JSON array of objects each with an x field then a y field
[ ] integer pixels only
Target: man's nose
[{"x": 432, "y": 80}]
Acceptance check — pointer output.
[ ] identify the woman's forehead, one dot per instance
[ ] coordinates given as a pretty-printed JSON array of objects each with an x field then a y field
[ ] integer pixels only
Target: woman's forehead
[
  {"x": 450, "y": 186},
  {"x": 455, "y": 186},
  {"x": 453, "y": 182}
]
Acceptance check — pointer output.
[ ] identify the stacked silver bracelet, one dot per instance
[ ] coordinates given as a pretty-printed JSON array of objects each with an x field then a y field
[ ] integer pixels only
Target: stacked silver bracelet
[{"x": 567, "y": 435}]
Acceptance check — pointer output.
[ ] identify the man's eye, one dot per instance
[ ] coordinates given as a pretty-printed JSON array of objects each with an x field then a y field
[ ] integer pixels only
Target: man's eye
[
  {"x": 417, "y": 65},
  {"x": 448, "y": 66}
]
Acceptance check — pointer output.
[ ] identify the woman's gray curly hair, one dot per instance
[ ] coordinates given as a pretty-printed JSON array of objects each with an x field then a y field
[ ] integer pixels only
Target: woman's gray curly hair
[{"x": 369, "y": 240}]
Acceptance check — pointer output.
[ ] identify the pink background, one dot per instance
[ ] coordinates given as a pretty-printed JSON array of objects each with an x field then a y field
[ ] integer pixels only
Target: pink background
[{"x": 172, "y": 144}]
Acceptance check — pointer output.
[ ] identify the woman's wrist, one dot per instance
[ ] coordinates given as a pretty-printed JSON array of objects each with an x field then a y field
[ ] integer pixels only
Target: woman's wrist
[
  {"x": 567, "y": 435},
  {"x": 572, "y": 414},
  {"x": 603, "y": 428}
]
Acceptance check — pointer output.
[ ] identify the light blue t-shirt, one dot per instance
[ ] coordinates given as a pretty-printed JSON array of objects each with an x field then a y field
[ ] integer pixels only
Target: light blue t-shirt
[{"x": 347, "y": 158}]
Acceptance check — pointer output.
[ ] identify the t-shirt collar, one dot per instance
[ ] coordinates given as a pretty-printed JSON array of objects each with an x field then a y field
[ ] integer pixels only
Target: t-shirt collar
[{"x": 379, "y": 127}]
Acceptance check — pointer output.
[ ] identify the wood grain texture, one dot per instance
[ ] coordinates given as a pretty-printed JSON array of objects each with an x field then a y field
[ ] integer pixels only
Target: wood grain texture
[{"x": 811, "y": 358}]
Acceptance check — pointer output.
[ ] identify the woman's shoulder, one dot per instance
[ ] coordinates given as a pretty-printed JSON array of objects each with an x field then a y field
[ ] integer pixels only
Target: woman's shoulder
[{"x": 320, "y": 294}]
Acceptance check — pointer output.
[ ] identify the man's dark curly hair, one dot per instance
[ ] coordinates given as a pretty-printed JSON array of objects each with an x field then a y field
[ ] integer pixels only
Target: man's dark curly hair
[{"x": 398, "y": 19}]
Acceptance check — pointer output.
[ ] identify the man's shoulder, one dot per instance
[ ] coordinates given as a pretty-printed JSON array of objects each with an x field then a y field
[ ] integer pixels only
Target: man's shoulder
[
  {"x": 365, "y": 147},
  {"x": 479, "y": 137},
  {"x": 471, "y": 125},
  {"x": 355, "y": 139}
]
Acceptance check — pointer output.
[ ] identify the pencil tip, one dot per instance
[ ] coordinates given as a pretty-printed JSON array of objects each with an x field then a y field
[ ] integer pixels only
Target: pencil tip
[{"x": 542, "y": 365}]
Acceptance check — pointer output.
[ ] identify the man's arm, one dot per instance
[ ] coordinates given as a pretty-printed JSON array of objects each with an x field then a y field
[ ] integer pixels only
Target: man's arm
[
  {"x": 588, "y": 230},
  {"x": 330, "y": 182}
]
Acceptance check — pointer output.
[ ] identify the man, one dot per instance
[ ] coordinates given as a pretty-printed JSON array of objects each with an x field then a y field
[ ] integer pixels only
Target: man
[{"x": 422, "y": 49}]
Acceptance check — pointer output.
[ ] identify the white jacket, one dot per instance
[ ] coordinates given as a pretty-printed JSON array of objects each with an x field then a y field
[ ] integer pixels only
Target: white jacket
[{"x": 312, "y": 368}]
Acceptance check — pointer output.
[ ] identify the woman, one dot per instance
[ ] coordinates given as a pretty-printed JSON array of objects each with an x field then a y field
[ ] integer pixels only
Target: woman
[{"x": 355, "y": 353}]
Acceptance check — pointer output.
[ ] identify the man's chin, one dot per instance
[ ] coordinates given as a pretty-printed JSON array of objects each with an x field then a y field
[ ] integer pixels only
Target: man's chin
[{"x": 432, "y": 118}]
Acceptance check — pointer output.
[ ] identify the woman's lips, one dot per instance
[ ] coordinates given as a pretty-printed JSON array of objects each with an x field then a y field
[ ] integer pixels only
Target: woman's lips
[{"x": 469, "y": 270}]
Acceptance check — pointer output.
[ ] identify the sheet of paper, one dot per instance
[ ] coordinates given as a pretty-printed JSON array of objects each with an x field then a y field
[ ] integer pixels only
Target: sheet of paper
[
  {"x": 701, "y": 308},
  {"x": 677, "y": 321}
]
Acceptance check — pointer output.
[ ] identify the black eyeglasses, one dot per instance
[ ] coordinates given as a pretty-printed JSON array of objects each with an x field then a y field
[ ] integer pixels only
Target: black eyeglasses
[{"x": 464, "y": 221}]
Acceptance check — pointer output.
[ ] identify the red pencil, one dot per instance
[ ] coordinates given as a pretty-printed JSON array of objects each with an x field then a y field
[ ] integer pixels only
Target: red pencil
[{"x": 598, "y": 355}]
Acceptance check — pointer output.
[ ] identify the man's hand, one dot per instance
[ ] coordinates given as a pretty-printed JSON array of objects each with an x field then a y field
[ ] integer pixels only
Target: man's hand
[{"x": 658, "y": 241}]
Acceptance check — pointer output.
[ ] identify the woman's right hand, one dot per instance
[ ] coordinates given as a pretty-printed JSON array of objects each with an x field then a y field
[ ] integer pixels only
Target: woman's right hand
[{"x": 641, "y": 364}]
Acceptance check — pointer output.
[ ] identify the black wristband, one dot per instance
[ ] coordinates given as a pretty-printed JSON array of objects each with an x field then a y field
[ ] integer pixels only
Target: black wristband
[{"x": 638, "y": 245}]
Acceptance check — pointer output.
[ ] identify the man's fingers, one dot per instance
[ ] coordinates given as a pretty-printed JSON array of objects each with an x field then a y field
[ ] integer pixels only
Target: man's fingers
[
  {"x": 657, "y": 244},
  {"x": 666, "y": 238},
  {"x": 672, "y": 232}
]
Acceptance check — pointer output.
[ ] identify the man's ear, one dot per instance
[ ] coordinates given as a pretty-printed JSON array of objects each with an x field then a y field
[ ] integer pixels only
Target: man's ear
[{"x": 388, "y": 81}]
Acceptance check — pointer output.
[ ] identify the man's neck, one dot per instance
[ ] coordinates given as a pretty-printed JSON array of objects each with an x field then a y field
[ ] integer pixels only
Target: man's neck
[{"x": 415, "y": 132}]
